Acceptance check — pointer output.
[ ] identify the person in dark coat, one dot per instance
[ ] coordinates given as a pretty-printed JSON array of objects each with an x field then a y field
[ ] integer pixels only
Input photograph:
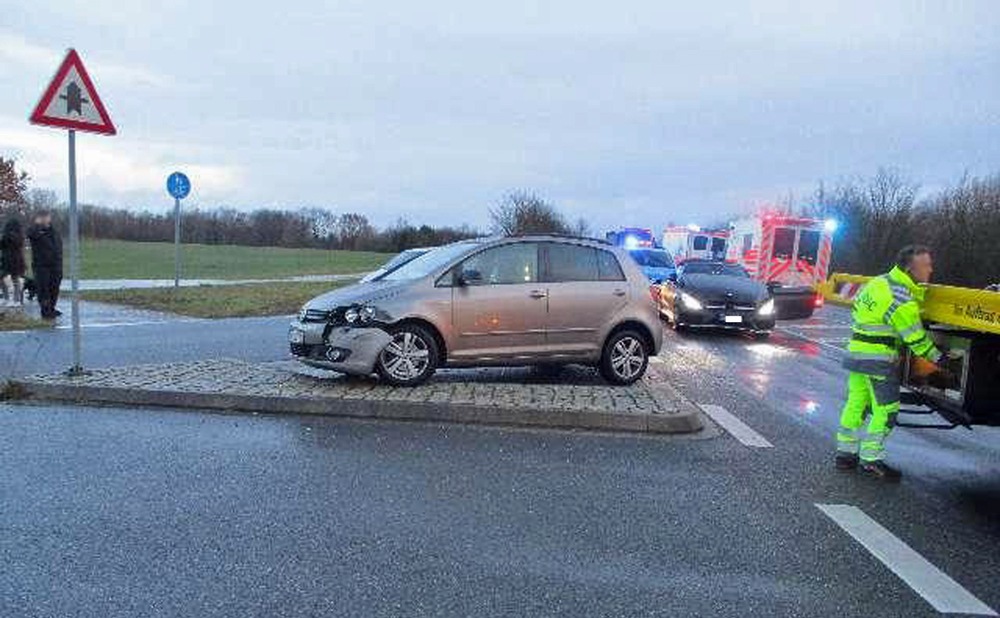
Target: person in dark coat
[
  {"x": 12, "y": 264},
  {"x": 46, "y": 263}
]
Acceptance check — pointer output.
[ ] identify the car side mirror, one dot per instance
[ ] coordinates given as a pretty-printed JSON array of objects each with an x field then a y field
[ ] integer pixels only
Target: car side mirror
[{"x": 469, "y": 276}]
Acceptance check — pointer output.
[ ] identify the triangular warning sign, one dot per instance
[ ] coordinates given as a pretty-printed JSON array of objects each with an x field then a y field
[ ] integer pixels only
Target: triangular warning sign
[{"x": 71, "y": 101}]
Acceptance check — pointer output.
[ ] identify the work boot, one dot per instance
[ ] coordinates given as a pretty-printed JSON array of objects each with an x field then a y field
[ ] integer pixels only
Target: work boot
[
  {"x": 846, "y": 461},
  {"x": 881, "y": 470}
]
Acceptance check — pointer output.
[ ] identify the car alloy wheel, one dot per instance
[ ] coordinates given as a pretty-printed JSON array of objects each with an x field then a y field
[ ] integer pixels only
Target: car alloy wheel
[
  {"x": 625, "y": 358},
  {"x": 410, "y": 358}
]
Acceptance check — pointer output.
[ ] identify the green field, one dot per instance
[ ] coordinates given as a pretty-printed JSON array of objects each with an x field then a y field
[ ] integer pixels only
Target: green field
[
  {"x": 114, "y": 259},
  {"x": 219, "y": 301}
]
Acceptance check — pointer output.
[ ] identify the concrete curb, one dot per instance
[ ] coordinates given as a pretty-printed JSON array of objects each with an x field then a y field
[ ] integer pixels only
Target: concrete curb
[{"x": 686, "y": 420}]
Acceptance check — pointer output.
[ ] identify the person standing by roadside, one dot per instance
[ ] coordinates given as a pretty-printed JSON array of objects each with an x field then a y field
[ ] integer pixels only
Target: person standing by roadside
[
  {"x": 12, "y": 264},
  {"x": 886, "y": 318},
  {"x": 46, "y": 263}
]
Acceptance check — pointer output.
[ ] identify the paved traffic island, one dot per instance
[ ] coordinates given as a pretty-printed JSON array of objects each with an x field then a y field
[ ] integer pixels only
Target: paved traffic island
[{"x": 575, "y": 398}]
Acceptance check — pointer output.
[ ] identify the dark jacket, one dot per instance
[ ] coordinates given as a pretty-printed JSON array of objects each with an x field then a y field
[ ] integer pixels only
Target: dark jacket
[
  {"x": 12, "y": 249},
  {"x": 46, "y": 248}
]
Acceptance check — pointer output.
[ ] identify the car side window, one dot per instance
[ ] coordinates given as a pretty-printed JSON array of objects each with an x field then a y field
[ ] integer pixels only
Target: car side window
[
  {"x": 608, "y": 268},
  {"x": 568, "y": 262},
  {"x": 505, "y": 265}
]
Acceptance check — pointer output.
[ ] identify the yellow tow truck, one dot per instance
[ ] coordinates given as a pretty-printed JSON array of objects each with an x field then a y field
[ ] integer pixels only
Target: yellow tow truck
[{"x": 964, "y": 321}]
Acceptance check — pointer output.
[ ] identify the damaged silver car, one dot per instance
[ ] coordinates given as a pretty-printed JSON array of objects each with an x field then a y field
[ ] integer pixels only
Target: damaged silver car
[{"x": 532, "y": 300}]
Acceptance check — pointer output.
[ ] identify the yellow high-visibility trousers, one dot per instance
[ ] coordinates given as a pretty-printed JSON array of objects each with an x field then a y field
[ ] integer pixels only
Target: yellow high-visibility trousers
[{"x": 877, "y": 396}]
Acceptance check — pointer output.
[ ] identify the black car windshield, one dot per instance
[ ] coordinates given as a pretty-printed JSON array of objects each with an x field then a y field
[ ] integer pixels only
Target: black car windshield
[
  {"x": 429, "y": 262},
  {"x": 653, "y": 258},
  {"x": 715, "y": 268}
]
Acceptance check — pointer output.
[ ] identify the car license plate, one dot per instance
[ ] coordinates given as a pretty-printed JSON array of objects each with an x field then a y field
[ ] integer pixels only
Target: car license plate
[
  {"x": 734, "y": 319},
  {"x": 296, "y": 336}
]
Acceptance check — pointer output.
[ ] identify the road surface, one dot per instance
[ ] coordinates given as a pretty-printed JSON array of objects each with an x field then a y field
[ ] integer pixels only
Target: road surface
[{"x": 163, "y": 513}]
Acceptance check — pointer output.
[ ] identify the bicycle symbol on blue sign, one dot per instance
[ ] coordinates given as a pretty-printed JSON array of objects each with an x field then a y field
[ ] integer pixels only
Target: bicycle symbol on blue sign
[{"x": 178, "y": 185}]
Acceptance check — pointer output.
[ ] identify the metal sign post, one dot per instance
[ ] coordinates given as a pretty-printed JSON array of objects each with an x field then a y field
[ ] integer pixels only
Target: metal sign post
[
  {"x": 178, "y": 186},
  {"x": 74, "y": 258},
  {"x": 177, "y": 242},
  {"x": 71, "y": 102}
]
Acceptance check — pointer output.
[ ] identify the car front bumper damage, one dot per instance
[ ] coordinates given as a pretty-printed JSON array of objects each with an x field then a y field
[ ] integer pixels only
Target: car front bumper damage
[{"x": 350, "y": 350}]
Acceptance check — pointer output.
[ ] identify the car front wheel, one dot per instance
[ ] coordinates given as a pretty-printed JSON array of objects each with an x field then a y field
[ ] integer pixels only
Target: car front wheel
[
  {"x": 411, "y": 358},
  {"x": 625, "y": 358}
]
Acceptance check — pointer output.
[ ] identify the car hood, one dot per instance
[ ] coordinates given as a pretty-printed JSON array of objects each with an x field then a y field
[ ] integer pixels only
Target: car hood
[
  {"x": 358, "y": 294},
  {"x": 717, "y": 287}
]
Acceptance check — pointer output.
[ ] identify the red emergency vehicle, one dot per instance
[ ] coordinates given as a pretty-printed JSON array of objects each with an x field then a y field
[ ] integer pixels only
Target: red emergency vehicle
[{"x": 790, "y": 254}]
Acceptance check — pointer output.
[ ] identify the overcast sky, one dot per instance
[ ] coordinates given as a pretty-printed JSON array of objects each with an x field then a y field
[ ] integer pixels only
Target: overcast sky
[{"x": 626, "y": 113}]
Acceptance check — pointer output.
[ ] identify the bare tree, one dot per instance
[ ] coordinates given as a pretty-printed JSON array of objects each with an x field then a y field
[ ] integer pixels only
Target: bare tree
[
  {"x": 875, "y": 217},
  {"x": 521, "y": 212},
  {"x": 353, "y": 230}
]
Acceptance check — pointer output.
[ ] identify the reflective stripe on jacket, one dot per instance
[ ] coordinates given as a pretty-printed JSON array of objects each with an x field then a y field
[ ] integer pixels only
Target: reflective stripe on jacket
[{"x": 886, "y": 316}]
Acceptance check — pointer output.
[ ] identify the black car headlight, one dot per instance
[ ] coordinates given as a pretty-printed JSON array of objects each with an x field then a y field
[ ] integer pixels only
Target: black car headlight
[
  {"x": 691, "y": 302},
  {"x": 767, "y": 308}
]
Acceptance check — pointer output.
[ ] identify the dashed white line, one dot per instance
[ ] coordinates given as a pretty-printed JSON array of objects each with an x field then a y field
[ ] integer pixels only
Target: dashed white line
[
  {"x": 737, "y": 428},
  {"x": 941, "y": 591}
]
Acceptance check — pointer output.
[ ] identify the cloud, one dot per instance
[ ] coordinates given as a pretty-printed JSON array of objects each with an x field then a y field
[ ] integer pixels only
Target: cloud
[
  {"x": 16, "y": 50},
  {"x": 113, "y": 171}
]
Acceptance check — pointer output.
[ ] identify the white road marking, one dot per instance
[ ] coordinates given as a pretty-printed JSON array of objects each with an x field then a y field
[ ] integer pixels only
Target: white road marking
[
  {"x": 737, "y": 428},
  {"x": 941, "y": 591},
  {"x": 657, "y": 360},
  {"x": 114, "y": 324}
]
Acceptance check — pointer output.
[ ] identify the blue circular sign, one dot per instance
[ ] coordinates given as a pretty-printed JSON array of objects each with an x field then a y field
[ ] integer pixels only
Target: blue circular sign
[{"x": 178, "y": 185}]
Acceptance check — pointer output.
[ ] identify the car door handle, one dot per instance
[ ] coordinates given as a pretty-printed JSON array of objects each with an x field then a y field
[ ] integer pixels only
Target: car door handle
[
  {"x": 619, "y": 292},
  {"x": 538, "y": 294}
]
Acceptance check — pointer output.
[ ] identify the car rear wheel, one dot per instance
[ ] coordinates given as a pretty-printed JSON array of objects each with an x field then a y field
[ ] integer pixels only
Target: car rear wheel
[
  {"x": 625, "y": 358},
  {"x": 411, "y": 358}
]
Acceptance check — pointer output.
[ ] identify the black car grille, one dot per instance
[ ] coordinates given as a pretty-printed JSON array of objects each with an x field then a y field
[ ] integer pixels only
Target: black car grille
[{"x": 729, "y": 305}]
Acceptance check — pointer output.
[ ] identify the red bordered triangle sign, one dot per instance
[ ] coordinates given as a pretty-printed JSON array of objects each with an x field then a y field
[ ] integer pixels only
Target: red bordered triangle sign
[{"x": 71, "y": 101}]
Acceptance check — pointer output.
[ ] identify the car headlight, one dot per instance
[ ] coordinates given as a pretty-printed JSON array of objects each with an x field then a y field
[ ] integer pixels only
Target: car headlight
[
  {"x": 691, "y": 302},
  {"x": 767, "y": 308},
  {"x": 302, "y": 313},
  {"x": 361, "y": 313}
]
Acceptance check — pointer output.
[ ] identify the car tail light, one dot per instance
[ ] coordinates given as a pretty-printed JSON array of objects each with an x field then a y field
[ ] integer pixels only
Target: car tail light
[
  {"x": 654, "y": 292},
  {"x": 818, "y": 303}
]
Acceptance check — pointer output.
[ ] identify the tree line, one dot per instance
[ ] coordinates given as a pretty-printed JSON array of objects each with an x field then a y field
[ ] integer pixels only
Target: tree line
[{"x": 879, "y": 215}]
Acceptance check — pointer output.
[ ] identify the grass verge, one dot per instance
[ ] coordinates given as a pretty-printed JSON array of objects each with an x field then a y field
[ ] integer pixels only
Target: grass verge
[
  {"x": 17, "y": 320},
  {"x": 116, "y": 259},
  {"x": 219, "y": 301}
]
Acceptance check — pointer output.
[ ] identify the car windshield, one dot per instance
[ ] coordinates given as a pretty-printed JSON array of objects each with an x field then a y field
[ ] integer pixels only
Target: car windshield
[
  {"x": 715, "y": 268},
  {"x": 403, "y": 258},
  {"x": 429, "y": 262},
  {"x": 652, "y": 258}
]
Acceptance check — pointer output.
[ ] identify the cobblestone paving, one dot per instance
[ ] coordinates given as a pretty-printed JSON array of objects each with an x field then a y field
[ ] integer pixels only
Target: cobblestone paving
[{"x": 575, "y": 389}]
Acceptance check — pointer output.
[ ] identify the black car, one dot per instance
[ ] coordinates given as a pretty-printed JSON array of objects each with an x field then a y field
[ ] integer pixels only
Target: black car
[{"x": 717, "y": 294}]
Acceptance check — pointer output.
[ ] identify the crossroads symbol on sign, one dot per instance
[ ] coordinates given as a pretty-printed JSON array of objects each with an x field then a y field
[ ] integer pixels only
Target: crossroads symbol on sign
[{"x": 74, "y": 99}]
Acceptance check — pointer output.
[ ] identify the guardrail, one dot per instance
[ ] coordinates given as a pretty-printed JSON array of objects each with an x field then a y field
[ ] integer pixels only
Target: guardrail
[{"x": 965, "y": 308}]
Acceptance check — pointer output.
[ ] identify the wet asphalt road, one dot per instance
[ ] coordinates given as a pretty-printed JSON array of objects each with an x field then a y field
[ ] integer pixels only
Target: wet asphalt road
[{"x": 163, "y": 513}]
